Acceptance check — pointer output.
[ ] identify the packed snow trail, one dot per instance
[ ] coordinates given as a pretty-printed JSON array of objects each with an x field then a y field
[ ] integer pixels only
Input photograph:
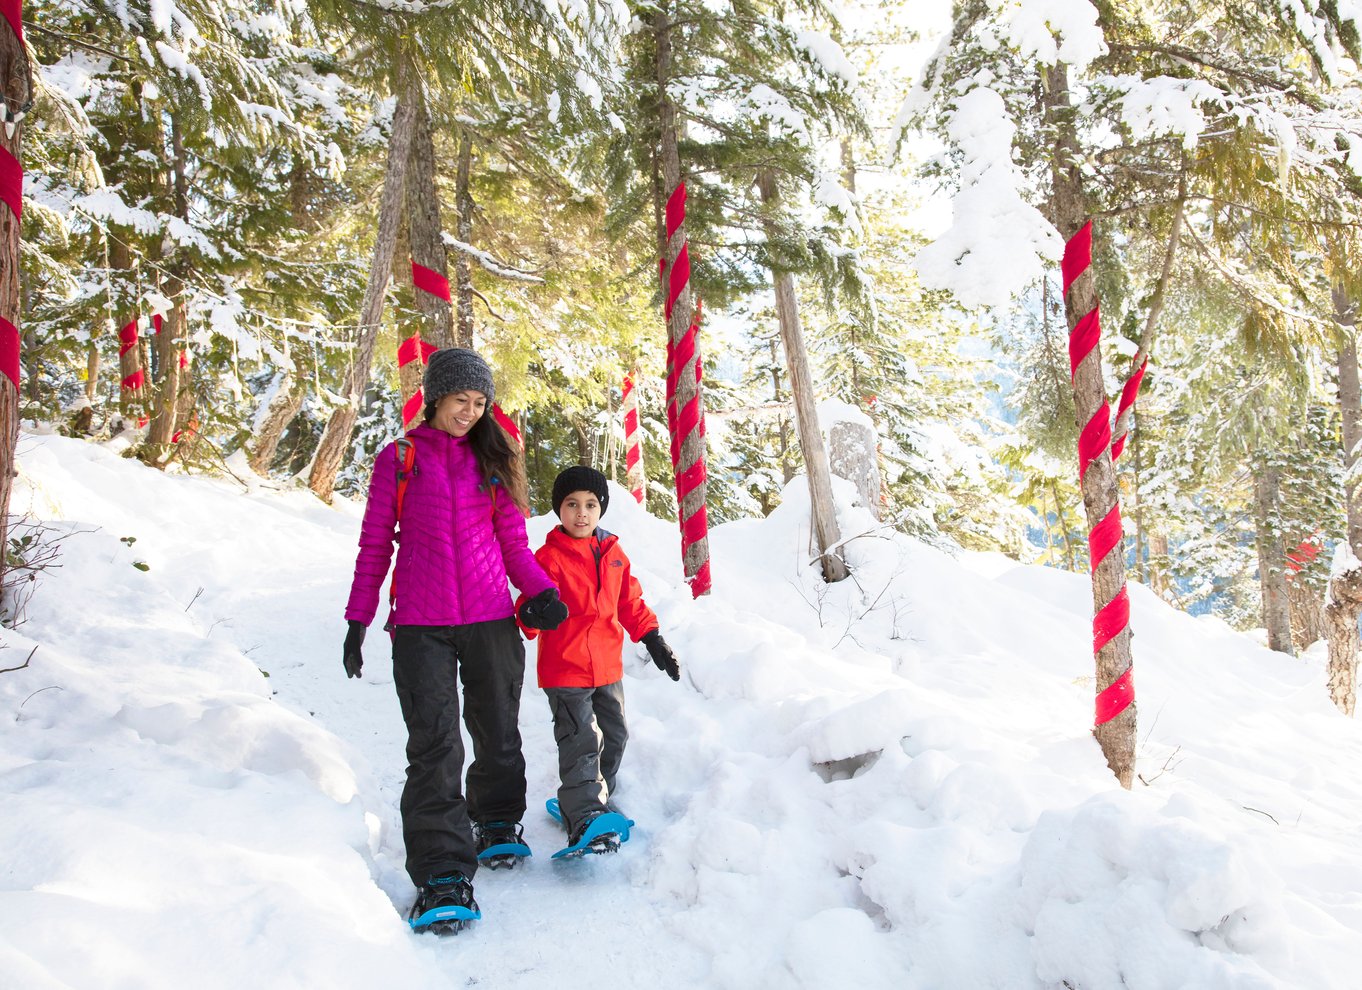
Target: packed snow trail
[{"x": 885, "y": 783}]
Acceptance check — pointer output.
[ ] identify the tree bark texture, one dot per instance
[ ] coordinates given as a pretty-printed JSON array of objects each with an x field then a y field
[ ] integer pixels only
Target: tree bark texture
[
  {"x": 1350, "y": 405},
  {"x": 15, "y": 78},
  {"x": 1308, "y": 624},
  {"x": 423, "y": 221},
  {"x": 336, "y": 436},
  {"x": 463, "y": 230},
  {"x": 1068, "y": 207},
  {"x": 1271, "y": 554},
  {"x": 1159, "y": 564},
  {"x": 1345, "y": 604},
  {"x": 692, "y": 446}
]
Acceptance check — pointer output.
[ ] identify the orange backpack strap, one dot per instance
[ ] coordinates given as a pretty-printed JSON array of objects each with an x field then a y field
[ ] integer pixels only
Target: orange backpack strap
[
  {"x": 406, "y": 462},
  {"x": 406, "y": 467}
]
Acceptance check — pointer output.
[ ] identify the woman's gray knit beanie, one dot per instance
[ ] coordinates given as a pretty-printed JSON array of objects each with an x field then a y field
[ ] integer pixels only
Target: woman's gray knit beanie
[{"x": 455, "y": 369}]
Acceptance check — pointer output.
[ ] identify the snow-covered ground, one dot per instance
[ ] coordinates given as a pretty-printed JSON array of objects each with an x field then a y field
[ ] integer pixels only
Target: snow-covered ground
[{"x": 886, "y": 783}]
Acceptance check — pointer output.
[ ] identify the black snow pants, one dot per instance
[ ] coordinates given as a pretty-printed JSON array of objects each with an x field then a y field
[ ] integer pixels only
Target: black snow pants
[
  {"x": 589, "y": 727},
  {"x": 428, "y": 662}
]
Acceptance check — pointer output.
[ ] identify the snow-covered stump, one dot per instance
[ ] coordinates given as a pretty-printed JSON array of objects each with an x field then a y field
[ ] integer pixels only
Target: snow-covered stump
[
  {"x": 853, "y": 450},
  {"x": 853, "y": 458},
  {"x": 852, "y": 446},
  {"x": 1345, "y": 604},
  {"x": 282, "y": 403}
]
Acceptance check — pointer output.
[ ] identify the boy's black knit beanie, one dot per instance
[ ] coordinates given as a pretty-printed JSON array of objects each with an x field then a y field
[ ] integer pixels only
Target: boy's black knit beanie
[
  {"x": 580, "y": 479},
  {"x": 454, "y": 369}
]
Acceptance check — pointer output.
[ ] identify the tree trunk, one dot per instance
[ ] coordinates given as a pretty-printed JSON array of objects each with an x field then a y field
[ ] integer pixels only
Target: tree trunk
[
  {"x": 1345, "y": 589},
  {"x": 423, "y": 221},
  {"x": 131, "y": 401},
  {"x": 1345, "y": 604},
  {"x": 823, "y": 508},
  {"x": 1068, "y": 206},
  {"x": 1156, "y": 302},
  {"x": 92, "y": 365},
  {"x": 1271, "y": 554},
  {"x": 692, "y": 445},
  {"x": 1350, "y": 404},
  {"x": 336, "y": 437},
  {"x": 1159, "y": 564},
  {"x": 583, "y": 436},
  {"x": 635, "y": 475},
  {"x": 1070, "y": 564},
  {"x": 1136, "y": 449},
  {"x": 1306, "y": 605},
  {"x": 787, "y": 471},
  {"x": 16, "y": 82},
  {"x": 167, "y": 402},
  {"x": 463, "y": 230}
]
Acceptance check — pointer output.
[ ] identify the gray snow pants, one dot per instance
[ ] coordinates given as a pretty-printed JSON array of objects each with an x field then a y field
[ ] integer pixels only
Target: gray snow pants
[
  {"x": 589, "y": 727},
  {"x": 429, "y": 662}
]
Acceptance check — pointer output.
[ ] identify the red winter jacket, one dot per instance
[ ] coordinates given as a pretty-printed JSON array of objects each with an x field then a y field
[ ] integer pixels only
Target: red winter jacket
[
  {"x": 603, "y": 601},
  {"x": 458, "y": 542}
]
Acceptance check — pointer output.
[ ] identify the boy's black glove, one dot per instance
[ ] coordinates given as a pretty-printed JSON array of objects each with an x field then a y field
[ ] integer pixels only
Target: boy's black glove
[
  {"x": 350, "y": 653},
  {"x": 544, "y": 611},
  {"x": 662, "y": 654}
]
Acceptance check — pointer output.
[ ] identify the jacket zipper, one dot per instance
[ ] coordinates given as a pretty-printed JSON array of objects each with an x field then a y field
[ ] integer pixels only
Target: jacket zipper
[{"x": 596, "y": 552}]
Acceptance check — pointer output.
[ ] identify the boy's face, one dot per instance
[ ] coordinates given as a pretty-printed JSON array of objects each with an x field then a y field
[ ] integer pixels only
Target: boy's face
[{"x": 579, "y": 514}]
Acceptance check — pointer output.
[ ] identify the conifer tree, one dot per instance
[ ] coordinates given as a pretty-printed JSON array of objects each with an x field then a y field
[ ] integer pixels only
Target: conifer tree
[
  {"x": 731, "y": 99},
  {"x": 489, "y": 44},
  {"x": 16, "y": 89}
]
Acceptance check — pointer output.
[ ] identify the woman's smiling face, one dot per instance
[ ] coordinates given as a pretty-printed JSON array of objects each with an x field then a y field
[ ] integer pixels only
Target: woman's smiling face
[{"x": 456, "y": 412}]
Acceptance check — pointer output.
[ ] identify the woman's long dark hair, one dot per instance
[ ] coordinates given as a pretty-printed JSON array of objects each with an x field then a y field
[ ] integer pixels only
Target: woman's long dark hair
[{"x": 499, "y": 457}]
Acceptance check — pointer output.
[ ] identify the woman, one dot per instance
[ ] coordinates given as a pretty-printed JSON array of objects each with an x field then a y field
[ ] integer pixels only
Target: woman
[{"x": 462, "y": 533}]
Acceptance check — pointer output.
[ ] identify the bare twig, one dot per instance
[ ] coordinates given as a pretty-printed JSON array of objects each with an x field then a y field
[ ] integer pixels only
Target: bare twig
[
  {"x": 30, "y": 26},
  {"x": 1263, "y": 813},
  {"x": 194, "y": 599},
  {"x": 853, "y": 619},
  {"x": 1168, "y": 767},
  {"x": 817, "y": 606},
  {"x": 6, "y": 670},
  {"x": 490, "y": 310}
]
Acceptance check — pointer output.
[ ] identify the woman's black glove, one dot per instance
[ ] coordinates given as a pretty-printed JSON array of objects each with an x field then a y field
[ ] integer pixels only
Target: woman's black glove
[
  {"x": 544, "y": 611},
  {"x": 350, "y": 654},
  {"x": 662, "y": 654}
]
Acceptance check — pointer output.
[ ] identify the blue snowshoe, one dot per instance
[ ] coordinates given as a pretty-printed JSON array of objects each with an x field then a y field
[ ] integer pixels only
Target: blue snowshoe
[
  {"x": 601, "y": 834},
  {"x": 444, "y": 906},
  {"x": 501, "y": 845}
]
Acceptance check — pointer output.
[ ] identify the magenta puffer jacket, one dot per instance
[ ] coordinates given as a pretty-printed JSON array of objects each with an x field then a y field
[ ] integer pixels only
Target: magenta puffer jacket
[{"x": 458, "y": 543}]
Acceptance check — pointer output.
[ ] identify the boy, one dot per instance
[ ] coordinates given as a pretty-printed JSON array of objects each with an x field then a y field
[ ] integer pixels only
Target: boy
[{"x": 579, "y": 662}]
